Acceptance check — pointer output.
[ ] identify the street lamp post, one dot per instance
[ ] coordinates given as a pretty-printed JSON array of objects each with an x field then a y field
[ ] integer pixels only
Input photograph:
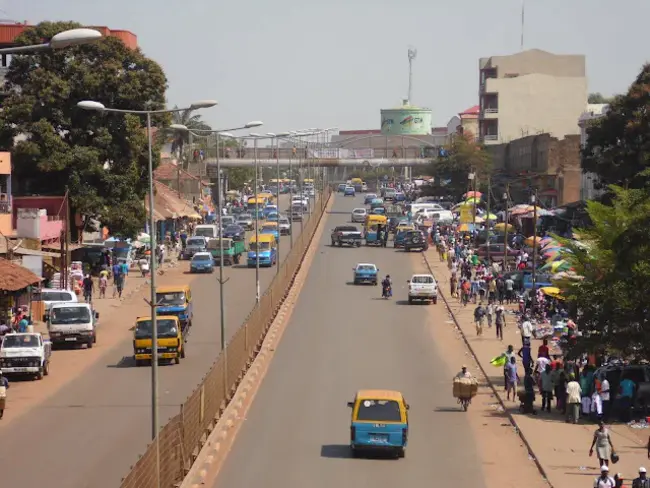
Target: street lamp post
[
  {"x": 220, "y": 195},
  {"x": 99, "y": 107},
  {"x": 257, "y": 219},
  {"x": 62, "y": 40},
  {"x": 276, "y": 138}
]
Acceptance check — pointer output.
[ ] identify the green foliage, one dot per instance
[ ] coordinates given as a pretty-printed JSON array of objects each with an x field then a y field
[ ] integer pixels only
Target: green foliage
[
  {"x": 100, "y": 159},
  {"x": 464, "y": 156},
  {"x": 598, "y": 98},
  {"x": 190, "y": 120},
  {"x": 614, "y": 258},
  {"x": 618, "y": 145},
  {"x": 238, "y": 177}
]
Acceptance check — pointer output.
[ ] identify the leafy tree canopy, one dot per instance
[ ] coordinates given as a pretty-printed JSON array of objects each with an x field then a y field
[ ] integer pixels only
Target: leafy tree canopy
[
  {"x": 598, "y": 98},
  {"x": 614, "y": 258},
  {"x": 460, "y": 157},
  {"x": 238, "y": 177},
  {"x": 101, "y": 159},
  {"x": 618, "y": 144}
]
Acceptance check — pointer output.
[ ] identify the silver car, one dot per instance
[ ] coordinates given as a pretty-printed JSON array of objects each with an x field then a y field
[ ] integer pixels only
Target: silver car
[
  {"x": 359, "y": 215},
  {"x": 285, "y": 226},
  {"x": 245, "y": 220}
]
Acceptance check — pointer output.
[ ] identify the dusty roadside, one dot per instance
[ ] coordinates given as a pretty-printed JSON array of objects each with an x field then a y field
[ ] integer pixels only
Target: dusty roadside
[
  {"x": 561, "y": 449},
  {"x": 505, "y": 459}
]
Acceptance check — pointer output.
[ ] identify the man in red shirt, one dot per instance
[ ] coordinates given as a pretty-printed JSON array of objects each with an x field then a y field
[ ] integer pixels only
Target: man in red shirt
[{"x": 543, "y": 351}]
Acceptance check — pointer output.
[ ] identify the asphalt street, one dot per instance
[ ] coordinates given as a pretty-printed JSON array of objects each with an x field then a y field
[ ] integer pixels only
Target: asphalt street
[
  {"x": 101, "y": 418},
  {"x": 342, "y": 338}
]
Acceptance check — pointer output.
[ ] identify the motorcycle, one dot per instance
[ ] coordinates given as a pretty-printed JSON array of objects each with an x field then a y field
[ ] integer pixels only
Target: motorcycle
[{"x": 386, "y": 292}]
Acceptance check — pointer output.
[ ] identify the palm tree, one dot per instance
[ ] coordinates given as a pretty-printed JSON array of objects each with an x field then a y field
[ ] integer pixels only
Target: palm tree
[{"x": 189, "y": 120}]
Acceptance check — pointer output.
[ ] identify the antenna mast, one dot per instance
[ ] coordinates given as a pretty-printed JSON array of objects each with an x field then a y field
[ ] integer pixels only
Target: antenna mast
[{"x": 412, "y": 53}]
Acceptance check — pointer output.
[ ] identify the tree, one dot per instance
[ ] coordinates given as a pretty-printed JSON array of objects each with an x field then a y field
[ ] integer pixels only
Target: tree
[
  {"x": 614, "y": 258},
  {"x": 238, "y": 177},
  {"x": 460, "y": 157},
  {"x": 100, "y": 159},
  {"x": 598, "y": 98},
  {"x": 190, "y": 120},
  {"x": 618, "y": 144}
]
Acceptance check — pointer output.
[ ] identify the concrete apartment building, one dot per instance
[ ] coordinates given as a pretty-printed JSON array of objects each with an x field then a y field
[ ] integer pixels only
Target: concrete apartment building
[{"x": 528, "y": 93}]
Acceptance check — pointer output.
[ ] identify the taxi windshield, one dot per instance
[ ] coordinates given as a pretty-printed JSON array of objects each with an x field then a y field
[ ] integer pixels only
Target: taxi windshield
[
  {"x": 379, "y": 411},
  {"x": 166, "y": 329},
  {"x": 20, "y": 341},
  {"x": 262, "y": 246},
  {"x": 173, "y": 298}
]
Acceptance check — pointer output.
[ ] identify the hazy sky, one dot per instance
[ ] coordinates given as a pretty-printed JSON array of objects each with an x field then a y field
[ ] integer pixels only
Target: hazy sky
[{"x": 301, "y": 64}]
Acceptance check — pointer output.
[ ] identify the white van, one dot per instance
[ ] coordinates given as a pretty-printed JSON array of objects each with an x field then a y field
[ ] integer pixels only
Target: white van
[
  {"x": 72, "y": 323},
  {"x": 206, "y": 230},
  {"x": 51, "y": 296},
  {"x": 416, "y": 207}
]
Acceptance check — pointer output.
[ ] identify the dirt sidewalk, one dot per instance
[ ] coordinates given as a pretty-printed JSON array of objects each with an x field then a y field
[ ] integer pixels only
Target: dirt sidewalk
[{"x": 561, "y": 449}]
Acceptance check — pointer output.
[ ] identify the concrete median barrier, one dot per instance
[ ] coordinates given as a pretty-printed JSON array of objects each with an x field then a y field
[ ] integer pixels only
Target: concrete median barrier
[{"x": 181, "y": 439}]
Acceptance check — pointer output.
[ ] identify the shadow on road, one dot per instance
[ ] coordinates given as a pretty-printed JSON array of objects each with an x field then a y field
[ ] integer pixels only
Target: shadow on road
[
  {"x": 336, "y": 451},
  {"x": 448, "y": 409}
]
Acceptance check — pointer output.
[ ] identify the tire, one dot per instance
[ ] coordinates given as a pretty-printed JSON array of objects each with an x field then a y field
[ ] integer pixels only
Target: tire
[
  {"x": 139, "y": 362},
  {"x": 333, "y": 244},
  {"x": 401, "y": 452},
  {"x": 89, "y": 345},
  {"x": 356, "y": 282},
  {"x": 40, "y": 374},
  {"x": 410, "y": 301},
  {"x": 434, "y": 300},
  {"x": 375, "y": 283},
  {"x": 358, "y": 244},
  {"x": 354, "y": 452}
]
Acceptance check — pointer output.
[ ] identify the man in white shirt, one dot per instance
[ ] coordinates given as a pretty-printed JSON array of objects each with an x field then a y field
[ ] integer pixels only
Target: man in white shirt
[
  {"x": 604, "y": 480},
  {"x": 605, "y": 399},
  {"x": 526, "y": 328}
]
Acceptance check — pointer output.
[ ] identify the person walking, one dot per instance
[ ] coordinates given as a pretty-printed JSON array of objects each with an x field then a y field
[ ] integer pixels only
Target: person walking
[
  {"x": 547, "y": 388},
  {"x": 499, "y": 320},
  {"x": 479, "y": 317},
  {"x": 642, "y": 481},
  {"x": 604, "y": 480},
  {"x": 573, "y": 399},
  {"x": 88, "y": 287},
  {"x": 103, "y": 284},
  {"x": 512, "y": 378},
  {"x": 602, "y": 441}
]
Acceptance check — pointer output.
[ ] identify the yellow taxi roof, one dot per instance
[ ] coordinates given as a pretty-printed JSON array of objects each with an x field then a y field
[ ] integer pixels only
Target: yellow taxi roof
[
  {"x": 262, "y": 238},
  {"x": 172, "y": 288},
  {"x": 270, "y": 224},
  {"x": 377, "y": 218},
  {"x": 159, "y": 317},
  {"x": 380, "y": 395}
]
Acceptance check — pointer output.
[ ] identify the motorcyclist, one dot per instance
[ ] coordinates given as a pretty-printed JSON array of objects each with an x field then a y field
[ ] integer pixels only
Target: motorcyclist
[
  {"x": 386, "y": 286},
  {"x": 464, "y": 373}
]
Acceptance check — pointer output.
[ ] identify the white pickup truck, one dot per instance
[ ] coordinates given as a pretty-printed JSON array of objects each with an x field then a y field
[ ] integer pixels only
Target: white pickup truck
[
  {"x": 423, "y": 287},
  {"x": 25, "y": 354}
]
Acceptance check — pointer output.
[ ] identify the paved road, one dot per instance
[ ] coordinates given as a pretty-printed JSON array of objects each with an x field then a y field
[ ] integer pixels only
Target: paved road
[
  {"x": 342, "y": 338},
  {"x": 102, "y": 417}
]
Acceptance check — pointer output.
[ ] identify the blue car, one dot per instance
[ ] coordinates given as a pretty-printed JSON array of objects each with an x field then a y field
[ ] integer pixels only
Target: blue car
[
  {"x": 349, "y": 191},
  {"x": 267, "y": 254},
  {"x": 369, "y": 198},
  {"x": 273, "y": 217},
  {"x": 542, "y": 280},
  {"x": 202, "y": 262},
  {"x": 366, "y": 273}
]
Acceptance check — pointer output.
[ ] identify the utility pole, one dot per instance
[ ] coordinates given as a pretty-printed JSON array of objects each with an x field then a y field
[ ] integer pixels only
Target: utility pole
[
  {"x": 505, "y": 235},
  {"x": 534, "y": 290},
  {"x": 487, "y": 223}
]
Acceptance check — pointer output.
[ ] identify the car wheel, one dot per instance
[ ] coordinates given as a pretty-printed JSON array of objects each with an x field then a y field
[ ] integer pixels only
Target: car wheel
[
  {"x": 89, "y": 345},
  {"x": 410, "y": 301},
  {"x": 434, "y": 300},
  {"x": 333, "y": 243}
]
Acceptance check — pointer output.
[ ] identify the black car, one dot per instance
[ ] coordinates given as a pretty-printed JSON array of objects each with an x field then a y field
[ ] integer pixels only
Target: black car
[
  {"x": 234, "y": 232},
  {"x": 415, "y": 240}
]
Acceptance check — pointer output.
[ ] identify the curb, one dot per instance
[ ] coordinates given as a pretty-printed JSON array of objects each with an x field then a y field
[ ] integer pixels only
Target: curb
[
  {"x": 511, "y": 418},
  {"x": 220, "y": 440}
]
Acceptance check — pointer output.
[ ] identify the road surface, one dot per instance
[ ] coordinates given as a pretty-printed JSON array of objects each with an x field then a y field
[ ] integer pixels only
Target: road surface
[
  {"x": 101, "y": 418},
  {"x": 342, "y": 338}
]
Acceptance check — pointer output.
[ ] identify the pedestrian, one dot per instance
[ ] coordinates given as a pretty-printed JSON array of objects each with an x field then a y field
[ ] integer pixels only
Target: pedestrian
[
  {"x": 547, "y": 388},
  {"x": 573, "y": 398},
  {"x": 489, "y": 312},
  {"x": 510, "y": 353},
  {"x": 604, "y": 480},
  {"x": 642, "y": 481},
  {"x": 118, "y": 283},
  {"x": 103, "y": 284},
  {"x": 4, "y": 386},
  {"x": 512, "y": 378},
  {"x": 626, "y": 393},
  {"x": 602, "y": 441},
  {"x": 529, "y": 392},
  {"x": 605, "y": 399},
  {"x": 543, "y": 350},
  {"x": 526, "y": 329},
  {"x": 479, "y": 317},
  {"x": 499, "y": 320},
  {"x": 88, "y": 287}
]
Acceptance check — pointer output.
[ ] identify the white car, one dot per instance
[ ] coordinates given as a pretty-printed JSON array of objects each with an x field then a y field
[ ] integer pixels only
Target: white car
[
  {"x": 423, "y": 287},
  {"x": 359, "y": 215},
  {"x": 364, "y": 187}
]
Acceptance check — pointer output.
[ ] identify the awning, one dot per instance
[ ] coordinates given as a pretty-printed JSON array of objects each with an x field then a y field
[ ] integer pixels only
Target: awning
[
  {"x": 14, "y": 277},
  {"x": 168, "y": 205}
]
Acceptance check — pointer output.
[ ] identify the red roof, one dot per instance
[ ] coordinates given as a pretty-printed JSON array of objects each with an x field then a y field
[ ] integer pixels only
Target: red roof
[
  {"x": 475, "y": 110},
  {"x": 170, "y": 171},
  {"x": 9, "y": 32}
]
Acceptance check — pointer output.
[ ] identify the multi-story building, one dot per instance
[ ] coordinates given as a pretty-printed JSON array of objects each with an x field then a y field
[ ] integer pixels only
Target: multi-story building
[
  {"x": 588, "y": 190},
  {"x": 465, "y": 123},
  {"x": 528, "y": 93}
]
